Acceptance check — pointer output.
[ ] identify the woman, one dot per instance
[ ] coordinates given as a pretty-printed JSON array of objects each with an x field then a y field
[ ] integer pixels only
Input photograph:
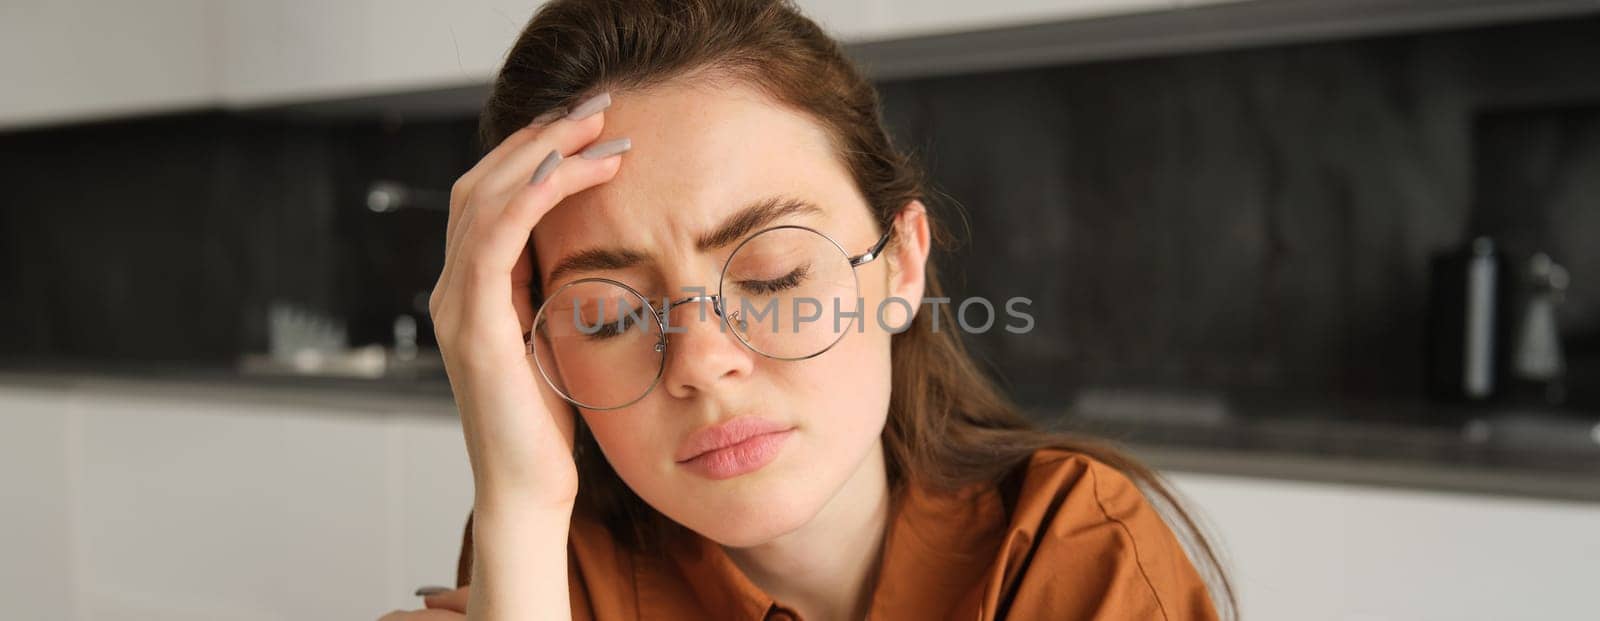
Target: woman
[{"x": 724, "y": 462}]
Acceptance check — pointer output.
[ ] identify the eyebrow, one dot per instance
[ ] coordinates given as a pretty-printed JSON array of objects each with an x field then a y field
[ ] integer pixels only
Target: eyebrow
[
  {"x": 746, "y": 220},
  {"x": 751, "y": 217}
]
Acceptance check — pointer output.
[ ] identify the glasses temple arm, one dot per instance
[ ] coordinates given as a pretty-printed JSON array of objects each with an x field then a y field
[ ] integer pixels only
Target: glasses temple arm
[{"x": 872, "y": 253}]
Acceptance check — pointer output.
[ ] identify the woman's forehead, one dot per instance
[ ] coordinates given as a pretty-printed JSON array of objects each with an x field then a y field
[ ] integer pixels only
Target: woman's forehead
[{"x": 699, "y": 155}]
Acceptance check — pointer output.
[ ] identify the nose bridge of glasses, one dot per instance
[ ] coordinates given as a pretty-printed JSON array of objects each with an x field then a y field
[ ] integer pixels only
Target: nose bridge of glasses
[{"x": 714, "y": 299}]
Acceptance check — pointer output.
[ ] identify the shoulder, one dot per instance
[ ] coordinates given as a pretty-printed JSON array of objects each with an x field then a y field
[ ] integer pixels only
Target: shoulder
[{"x": 1085, "y": 542}]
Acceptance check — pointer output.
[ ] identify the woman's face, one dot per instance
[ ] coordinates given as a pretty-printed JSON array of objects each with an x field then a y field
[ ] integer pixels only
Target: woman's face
[{"x": 701, "y": 156}]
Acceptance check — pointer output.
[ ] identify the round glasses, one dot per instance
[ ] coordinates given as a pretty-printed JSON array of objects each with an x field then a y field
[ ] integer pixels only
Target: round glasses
[{"x": 787, "y": 292}]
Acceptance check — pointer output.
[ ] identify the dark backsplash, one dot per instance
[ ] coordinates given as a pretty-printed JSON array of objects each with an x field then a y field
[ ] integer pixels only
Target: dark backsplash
[
  {"x": 166, "y": 239},
  {"x": 1247, "y": 221},
  {"x": 1262, "y": 220}
]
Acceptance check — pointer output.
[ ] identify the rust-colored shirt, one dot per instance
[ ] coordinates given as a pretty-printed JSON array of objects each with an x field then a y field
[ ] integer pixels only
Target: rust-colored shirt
[{"x": 1076, "y": 540}]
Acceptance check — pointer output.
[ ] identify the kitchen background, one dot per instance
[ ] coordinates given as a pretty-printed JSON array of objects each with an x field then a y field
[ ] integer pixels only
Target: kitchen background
[{"x": 1249, "y": 231}]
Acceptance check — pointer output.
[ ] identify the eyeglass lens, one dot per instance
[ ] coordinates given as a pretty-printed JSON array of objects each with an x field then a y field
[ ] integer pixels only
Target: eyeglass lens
[{"x": 788, "y": 293}]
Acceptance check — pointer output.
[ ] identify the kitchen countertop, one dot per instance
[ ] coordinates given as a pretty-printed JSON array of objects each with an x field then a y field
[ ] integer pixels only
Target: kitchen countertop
[
  {"x": 422, "y": 394},
  {"x": 1489, "y": 459},
  {"x": 1365, "y": 445}
]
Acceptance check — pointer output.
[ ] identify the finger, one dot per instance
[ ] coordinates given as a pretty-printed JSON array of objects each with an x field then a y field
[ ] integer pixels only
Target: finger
[
  {"x": 455, "y": 600},
  {"x": 508, "y": 239},
  {"x": 522, "y": 287},
  {"x": 518, "y": 167},
  {"x": 485, "y": 277},
  {"x": 462, "y": 189},
  {"x": 566, "y": 136},
  {"x": 520, "y": 137},
  {"x": 463, "y": 227},
  {"x": 510, "y": 143},
  {"x": 512, "y": 163}
]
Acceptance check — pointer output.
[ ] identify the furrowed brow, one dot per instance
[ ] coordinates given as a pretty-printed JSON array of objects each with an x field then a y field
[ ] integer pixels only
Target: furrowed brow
[
  {"x": 751, "y": 217},
  {"x": 594, "y": 260},
  {"x": 746, "y": 220}
]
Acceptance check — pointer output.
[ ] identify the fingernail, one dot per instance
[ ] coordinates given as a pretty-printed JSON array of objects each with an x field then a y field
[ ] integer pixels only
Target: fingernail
[
  {"x": 590, "y": 106},
  {"x": 425, "y": 591},
  {"x": 606, "y": 149},
  {"x": 547, "y": 166},
  {"x": 547, "y": 117}
]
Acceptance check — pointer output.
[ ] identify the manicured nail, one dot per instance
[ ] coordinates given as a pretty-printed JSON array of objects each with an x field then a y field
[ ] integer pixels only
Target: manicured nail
[
  {"x": 547, "y": 166},
  {"x": 601, "y": 150},
  {"x": 548, "y": 117},
  {"x": 590, "y": 106},
  {"x": 432, "y": 590}
]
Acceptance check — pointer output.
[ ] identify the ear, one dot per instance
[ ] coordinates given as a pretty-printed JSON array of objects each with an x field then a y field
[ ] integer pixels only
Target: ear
[{"x": 908, "y": 258}]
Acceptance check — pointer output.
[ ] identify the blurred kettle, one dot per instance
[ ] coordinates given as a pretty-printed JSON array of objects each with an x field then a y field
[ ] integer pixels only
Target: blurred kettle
[{"x": 1537, "y": 364}]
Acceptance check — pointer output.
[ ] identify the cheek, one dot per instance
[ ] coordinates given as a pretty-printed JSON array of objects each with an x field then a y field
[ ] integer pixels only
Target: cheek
[
  {"x": 632, "y": 444},
  {"x": 846, "y": 390}
]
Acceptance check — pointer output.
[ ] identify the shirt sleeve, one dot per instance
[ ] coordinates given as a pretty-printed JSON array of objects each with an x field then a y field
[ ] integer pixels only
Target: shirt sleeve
[{"x": 1086, "y": 544}]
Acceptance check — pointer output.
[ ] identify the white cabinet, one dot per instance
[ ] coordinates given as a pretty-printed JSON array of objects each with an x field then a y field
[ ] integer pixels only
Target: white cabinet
[
  {"x": 291, "y": 50},
  {"x": 1327, "y": 552},
  {"x": 165, "y": 504},
  {"x": 431, "y": 493},
  {"x": 64, "y": 60},
  {"x": 202, "y": 505},
  {"x": 196, "y": 510},
  {"x": 36, "y": 497}
]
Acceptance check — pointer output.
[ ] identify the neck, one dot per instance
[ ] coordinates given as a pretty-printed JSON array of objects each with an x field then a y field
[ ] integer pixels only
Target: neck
[{"x": 826, "y": 568}]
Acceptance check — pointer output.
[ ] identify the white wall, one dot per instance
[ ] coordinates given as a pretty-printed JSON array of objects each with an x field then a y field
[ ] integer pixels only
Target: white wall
[
  {"x": 917, "y": 17},
  {"x": 1315, "y": 551},
  {"x": 273, "y": 51},
  {"x": 68, "y": 59},
  {"x": 77, "y": 60}
]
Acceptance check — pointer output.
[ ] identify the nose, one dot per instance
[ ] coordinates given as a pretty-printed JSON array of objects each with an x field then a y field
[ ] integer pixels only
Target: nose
[{"x": 701, "y": 354}]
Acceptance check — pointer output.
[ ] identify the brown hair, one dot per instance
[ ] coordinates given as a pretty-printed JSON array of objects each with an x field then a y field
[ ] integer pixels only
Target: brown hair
[{"x": 948, "y": 425}]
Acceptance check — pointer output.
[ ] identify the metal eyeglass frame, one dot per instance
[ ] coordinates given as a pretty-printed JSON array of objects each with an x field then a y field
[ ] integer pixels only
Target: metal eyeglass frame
[{"x": 716, "y": 300}]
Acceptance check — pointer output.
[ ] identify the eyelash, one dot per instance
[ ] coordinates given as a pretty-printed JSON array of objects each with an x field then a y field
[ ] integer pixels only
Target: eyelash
[
  {"x": 613, "y": 329},
  {"x": 785, "y": 282},
  {"x": 760, "y": 287}
]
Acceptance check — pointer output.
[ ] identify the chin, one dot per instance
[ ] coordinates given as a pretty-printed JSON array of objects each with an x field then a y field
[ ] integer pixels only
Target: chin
[
  {"x": 748, "y": 515},
  {"x": 753, "y": 526}
]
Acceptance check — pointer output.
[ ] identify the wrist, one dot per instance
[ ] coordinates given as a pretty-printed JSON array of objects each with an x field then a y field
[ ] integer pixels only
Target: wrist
[{"x": 521, "y": 508}]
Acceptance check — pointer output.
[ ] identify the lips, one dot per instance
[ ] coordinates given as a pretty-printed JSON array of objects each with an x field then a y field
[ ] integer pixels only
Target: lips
[{"x": 724, "y": 435}]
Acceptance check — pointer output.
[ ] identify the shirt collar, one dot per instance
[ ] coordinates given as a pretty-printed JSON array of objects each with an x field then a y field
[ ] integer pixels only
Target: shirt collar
[
  {"x": 717, "y": 582},
  {"x": 937, "y": 548}
]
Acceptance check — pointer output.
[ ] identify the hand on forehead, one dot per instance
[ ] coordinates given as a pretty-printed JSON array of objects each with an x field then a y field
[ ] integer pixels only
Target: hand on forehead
[{"x": 704, "y": 161}]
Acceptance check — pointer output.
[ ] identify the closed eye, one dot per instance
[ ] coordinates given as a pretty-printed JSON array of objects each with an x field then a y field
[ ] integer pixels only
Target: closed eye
[
  {"x": 607, "y": 330},
  {"x": 774, "y": 285},
  {"x": 632, "y": 319}
]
